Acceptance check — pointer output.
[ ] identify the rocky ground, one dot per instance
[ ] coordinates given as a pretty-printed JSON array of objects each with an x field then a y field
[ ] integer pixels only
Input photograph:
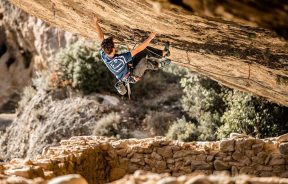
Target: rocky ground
[{"x": 5, "y": 121}]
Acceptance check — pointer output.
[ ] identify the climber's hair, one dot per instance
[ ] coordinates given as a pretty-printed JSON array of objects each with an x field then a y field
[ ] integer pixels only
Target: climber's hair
[{"x": 107, "y": 45}]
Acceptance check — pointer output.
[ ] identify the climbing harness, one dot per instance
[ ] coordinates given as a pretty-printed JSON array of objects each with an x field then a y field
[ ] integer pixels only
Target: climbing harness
[{"x": 123, "y": 85}]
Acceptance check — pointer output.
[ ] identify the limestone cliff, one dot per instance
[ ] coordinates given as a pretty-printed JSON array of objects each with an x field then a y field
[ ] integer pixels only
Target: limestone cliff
[
  {"x": 16, "y": 66},
  {"x": 26, "y": 43},
  {"x": 243, "y": 57},
  {"x": 269, "y": 14}
]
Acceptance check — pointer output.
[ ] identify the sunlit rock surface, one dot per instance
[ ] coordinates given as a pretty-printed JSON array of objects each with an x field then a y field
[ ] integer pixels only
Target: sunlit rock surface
[
  {"x": 26, "y": 44},
  {"x": 247, "y": 58}
]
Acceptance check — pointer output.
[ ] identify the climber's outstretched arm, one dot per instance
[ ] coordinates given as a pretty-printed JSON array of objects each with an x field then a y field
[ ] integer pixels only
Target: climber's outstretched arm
[
  {"x": 98, "y": 29},
  {"x": 143, "y": 45}
]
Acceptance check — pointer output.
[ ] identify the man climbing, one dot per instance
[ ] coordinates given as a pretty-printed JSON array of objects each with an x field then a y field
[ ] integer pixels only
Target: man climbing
[{"x": 129, "y": 67}]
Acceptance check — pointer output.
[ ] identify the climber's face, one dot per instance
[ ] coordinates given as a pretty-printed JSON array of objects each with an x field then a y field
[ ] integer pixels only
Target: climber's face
[{"x": 113, "y": 52}]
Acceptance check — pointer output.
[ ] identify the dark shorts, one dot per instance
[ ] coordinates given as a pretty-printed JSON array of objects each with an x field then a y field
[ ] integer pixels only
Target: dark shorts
[{"x": 146, "y": 60}]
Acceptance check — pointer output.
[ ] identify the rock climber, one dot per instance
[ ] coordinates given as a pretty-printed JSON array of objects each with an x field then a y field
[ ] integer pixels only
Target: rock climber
[{"x": 130, "y": 66}]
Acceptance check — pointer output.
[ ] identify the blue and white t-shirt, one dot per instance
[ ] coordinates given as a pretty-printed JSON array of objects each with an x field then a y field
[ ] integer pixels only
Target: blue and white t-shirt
[{"x": 118, "y": 64}]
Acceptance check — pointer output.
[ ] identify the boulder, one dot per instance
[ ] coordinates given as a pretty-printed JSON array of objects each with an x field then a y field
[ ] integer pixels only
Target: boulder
[
  {"x": 220, "y": 165},
  {"x": 234, "y": 171},
  {"x": 116, "y": 173},
  {"x": 282, "y": 138},
  {"x": 283, "y": 148},
  {"x": 68, "y": 179},
  {"x": 227, "y": 145},
  {"x": 240, "y": 157},
  {"x": 237, "y": 135},
  {"x": 168, "y": 180},
  {"x": 277, "y": 161},
  {"x": 246, "y": 170},
  {"x": 165, "y": 152},
  {"x": 22, "y": 172},
  {"x": 260, "y": 158},
  {"x": 182, "y": 153},
  {"x": 258, "y": 147},
  {"x": 200, "y": 165},
  {"x": 199, "y": 179}
]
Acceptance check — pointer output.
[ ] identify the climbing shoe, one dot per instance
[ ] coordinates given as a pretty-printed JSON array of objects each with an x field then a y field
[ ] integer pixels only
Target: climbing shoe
[
  {"x": 120, "y": 87},
  {"x": 166, "y": 49},
  {"x": 152, "y": 63},
  {"x": 164, "y": 62}
]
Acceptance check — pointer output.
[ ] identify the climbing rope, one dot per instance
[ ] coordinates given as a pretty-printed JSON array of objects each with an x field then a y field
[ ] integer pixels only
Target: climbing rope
[
  {"x": 128, "y": 90},
  {"x": 53, "y": 9},
  {"x": 58, "y": 37},
  {"x": 54, "y": 17}
]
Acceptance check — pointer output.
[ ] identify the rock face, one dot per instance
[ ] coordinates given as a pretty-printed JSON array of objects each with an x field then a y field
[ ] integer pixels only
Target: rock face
[
  {"x": 33, "y": 35},
  {"x": 262, "y": 13},
  {"x": 110, "y": 159},
  {"x": 16, "y": 66},
  {"x": 242, "y": 57},
  {"x": 67, "y": 117},
  {"x": 26, "y": 43}
]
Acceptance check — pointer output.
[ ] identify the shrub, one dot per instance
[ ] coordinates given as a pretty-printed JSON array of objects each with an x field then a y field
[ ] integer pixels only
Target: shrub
[
  {"x": 202, "y": 100},
  {"x": 176, "y": 70},
  {"x": 252, "y": 115},
  {"x": 28, "y": 93},
  {"x": 219, "y": 110},
  {"x": 41, "y": 81},
  {"x": 158, "y": 122},
  {"x": 183, "y": 131},
  {"x": 110, "y": 125}
]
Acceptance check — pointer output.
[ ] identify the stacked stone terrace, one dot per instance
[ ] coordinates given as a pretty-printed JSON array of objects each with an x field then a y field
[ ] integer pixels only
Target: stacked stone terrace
[{"x": 101, "y": 160}]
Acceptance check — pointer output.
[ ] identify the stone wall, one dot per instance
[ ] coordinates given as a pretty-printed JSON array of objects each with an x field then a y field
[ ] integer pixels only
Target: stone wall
[{"x": 100, "y": 159}]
